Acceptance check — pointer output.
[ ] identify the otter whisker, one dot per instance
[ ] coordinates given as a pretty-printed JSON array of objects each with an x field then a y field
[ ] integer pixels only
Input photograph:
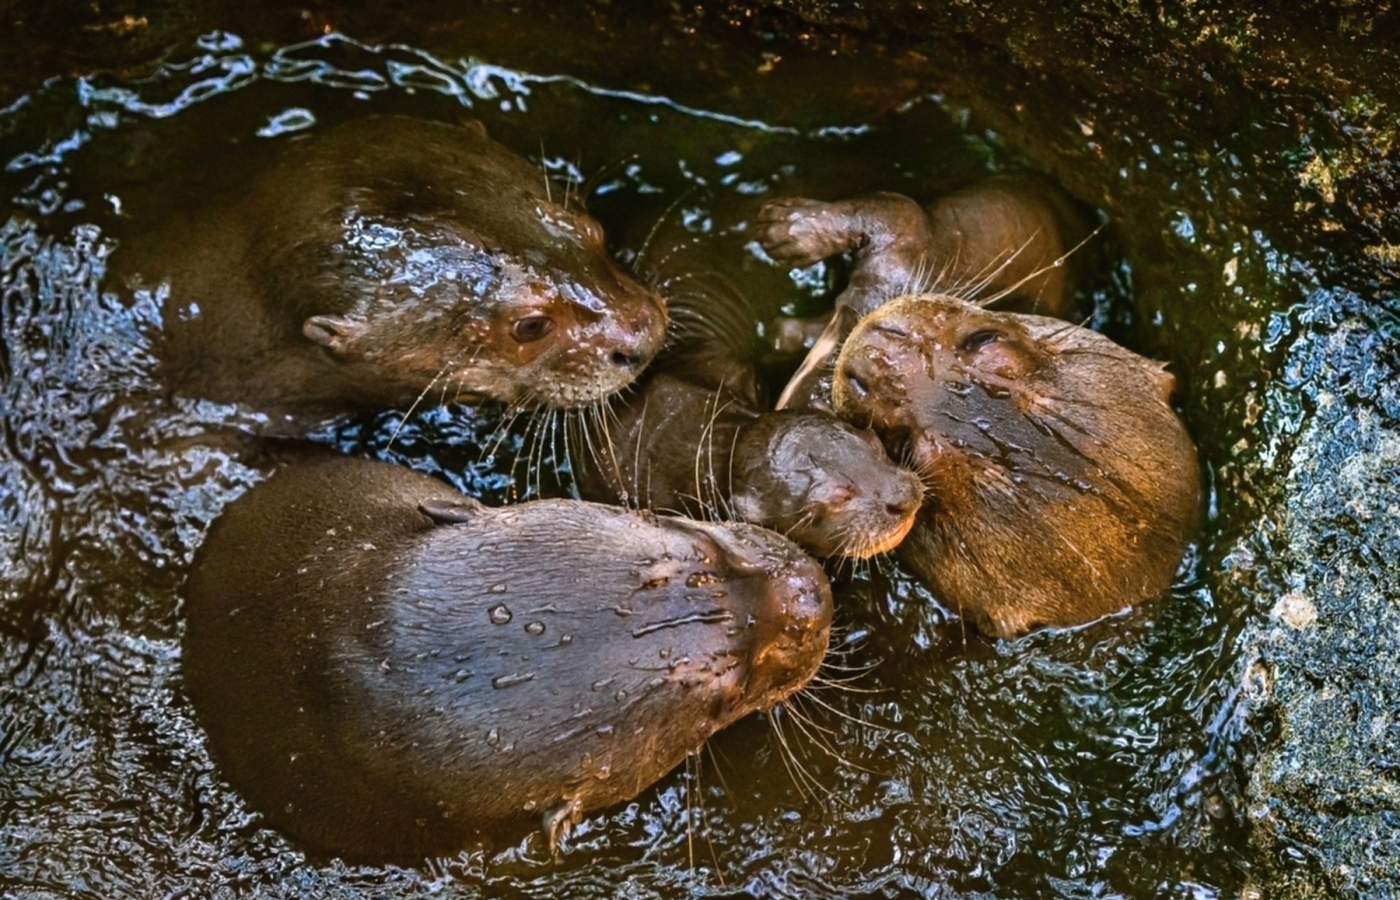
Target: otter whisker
[
  {"x": 855, "y": 720},
  {"x": 492, "y": 444},
  {"x": 568, "y": 422},
  {"x": 544, "y": 170},
  {"x": 586, "y": 190},
  {"x": 816, "y": 735},
  {"x": 692, "y": 769},
  {"x": 1057, "y": 263},
  {"x": 416, "y": 400},
  {"x": 660, "y": 220},
  {"x": 801, "y": 778}
]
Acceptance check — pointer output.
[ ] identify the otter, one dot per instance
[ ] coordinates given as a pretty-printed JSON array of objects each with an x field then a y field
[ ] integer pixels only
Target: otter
[
  {"x": 390, "y": 260},
  {"x": 1001, "y": 241},
  {"x": 1060, "y": 484},
  {"x": 696, "y": 436},
  {"x": 388, "y": 670}
]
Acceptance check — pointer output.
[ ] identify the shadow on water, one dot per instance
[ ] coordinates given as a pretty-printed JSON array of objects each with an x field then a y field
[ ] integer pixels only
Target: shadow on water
[{"x": 1089, "y": 763}]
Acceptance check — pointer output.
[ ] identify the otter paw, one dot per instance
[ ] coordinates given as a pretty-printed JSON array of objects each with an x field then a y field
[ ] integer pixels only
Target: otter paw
[{"x": 799, "y": 232}]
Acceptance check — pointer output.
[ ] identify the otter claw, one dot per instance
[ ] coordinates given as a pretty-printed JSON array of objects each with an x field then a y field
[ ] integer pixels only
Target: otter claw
[{"x": 798, "y": 232}]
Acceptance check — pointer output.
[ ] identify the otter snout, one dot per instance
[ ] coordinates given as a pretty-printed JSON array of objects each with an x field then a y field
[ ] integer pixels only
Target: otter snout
[
  {"x": 633, "y": 334},
  {"x": 868, "y": 388},
  {"x": 791, "y": 623},
  {"x": 792, "y": 631}
]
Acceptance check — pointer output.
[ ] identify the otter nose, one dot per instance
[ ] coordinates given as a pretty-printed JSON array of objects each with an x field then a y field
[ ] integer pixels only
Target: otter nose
[
  {"x": 905, "y": 497},
  {"x": 635, "y": 337},
  {"x": 624, "y": 360},
  {"x": 857, "y": 375}
]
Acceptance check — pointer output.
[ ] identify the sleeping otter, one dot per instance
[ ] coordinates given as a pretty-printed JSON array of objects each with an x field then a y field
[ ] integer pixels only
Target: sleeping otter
[
  {"x": 389, "y": 670},
  {"x": 696, "y": 437},
  {"x": 997, "y": 241},
  {"x": 1060, "y": 485}
]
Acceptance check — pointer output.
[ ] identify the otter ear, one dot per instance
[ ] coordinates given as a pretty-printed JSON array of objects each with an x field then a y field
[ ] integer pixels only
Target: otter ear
[
  {"x": 453, "y": 511},
  {"x": 1166, "y": 382},
  {"x": 335, "y": 333},
  {"x": 473, "y": 125}
]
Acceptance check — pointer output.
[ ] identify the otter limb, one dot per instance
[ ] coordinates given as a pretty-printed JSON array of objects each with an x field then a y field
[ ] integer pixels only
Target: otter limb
[{"x": 999, "y": 239}]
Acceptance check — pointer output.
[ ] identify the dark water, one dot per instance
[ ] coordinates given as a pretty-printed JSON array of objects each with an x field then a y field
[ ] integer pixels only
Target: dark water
[{"x": 1094, "y": 763}]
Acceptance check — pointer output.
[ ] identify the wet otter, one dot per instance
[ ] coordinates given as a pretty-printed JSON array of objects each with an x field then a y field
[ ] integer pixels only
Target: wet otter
[
  {"x": 389, "y": 670},
  {"x": 696, "y": 436},
  {"x": 998, "y": 240},
  {"x": 389, "y": 260},
  {"x": 1060, "y": 484}
]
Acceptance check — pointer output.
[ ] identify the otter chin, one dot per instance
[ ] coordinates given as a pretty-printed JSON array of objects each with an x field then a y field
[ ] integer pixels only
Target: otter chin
[
  {"x": 388, "y": 261},
  {"x": 1060, "y": 485},
  {"x": 388, "y": 670}
]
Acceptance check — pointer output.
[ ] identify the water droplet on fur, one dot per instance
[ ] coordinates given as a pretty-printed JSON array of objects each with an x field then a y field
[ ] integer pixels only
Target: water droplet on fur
[
  {"x": 700, "y": 579},
  {"x": 498, "y": 588},
  {"x": 499, "y": 615},
  {"x": 620, "y": 696},
  {"x": 603, "y": 730},
  {"x": 505, "y": 681},
  {"x": 534, "y": 628},
  {"x": 493, "y": 737}
]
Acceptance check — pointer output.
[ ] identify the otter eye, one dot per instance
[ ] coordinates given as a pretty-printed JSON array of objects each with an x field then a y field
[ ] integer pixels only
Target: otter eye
[
  {"x": 531, "y": 328},
  {"x": 979, "y": 339},
  {"x": 856, "y": 383}
]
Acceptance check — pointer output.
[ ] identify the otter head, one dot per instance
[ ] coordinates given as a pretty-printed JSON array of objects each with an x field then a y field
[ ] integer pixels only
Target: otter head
[
  {"x": 1060, "y": 484},
  {"x": 435, "y": 265},
  {"x": 641, "y": 636},
  {"x": 824, "y": 483}
]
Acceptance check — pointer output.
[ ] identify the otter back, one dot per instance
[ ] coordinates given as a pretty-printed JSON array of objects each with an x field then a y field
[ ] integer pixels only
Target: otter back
[{"x": 387, "y": 669}]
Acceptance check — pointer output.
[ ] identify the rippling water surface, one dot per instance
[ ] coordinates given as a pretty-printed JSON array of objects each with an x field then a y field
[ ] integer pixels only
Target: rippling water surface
[{"x": 1089, "y": 763}]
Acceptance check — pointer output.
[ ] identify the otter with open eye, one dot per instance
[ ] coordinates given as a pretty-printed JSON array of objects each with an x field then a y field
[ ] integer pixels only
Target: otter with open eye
[
  {"x": 1060, "y": 485},
  {"x": 389, "y": 261}
]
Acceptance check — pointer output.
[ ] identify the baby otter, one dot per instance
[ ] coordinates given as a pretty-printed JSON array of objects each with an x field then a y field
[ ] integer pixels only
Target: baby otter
[
  {"x": 695, "y": 437},
  {"x": 390, "y": 260},
  {"x": 1060, "y": 485},
  {"x": 998, "y": 240}
]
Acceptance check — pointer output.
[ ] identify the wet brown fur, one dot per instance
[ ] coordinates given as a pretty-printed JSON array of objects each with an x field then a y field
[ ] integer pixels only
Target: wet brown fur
[
  {"x": 1061, "y": 486},
  {"x": 388, "y": 259},
  {"x": 389, "y": 670}
]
